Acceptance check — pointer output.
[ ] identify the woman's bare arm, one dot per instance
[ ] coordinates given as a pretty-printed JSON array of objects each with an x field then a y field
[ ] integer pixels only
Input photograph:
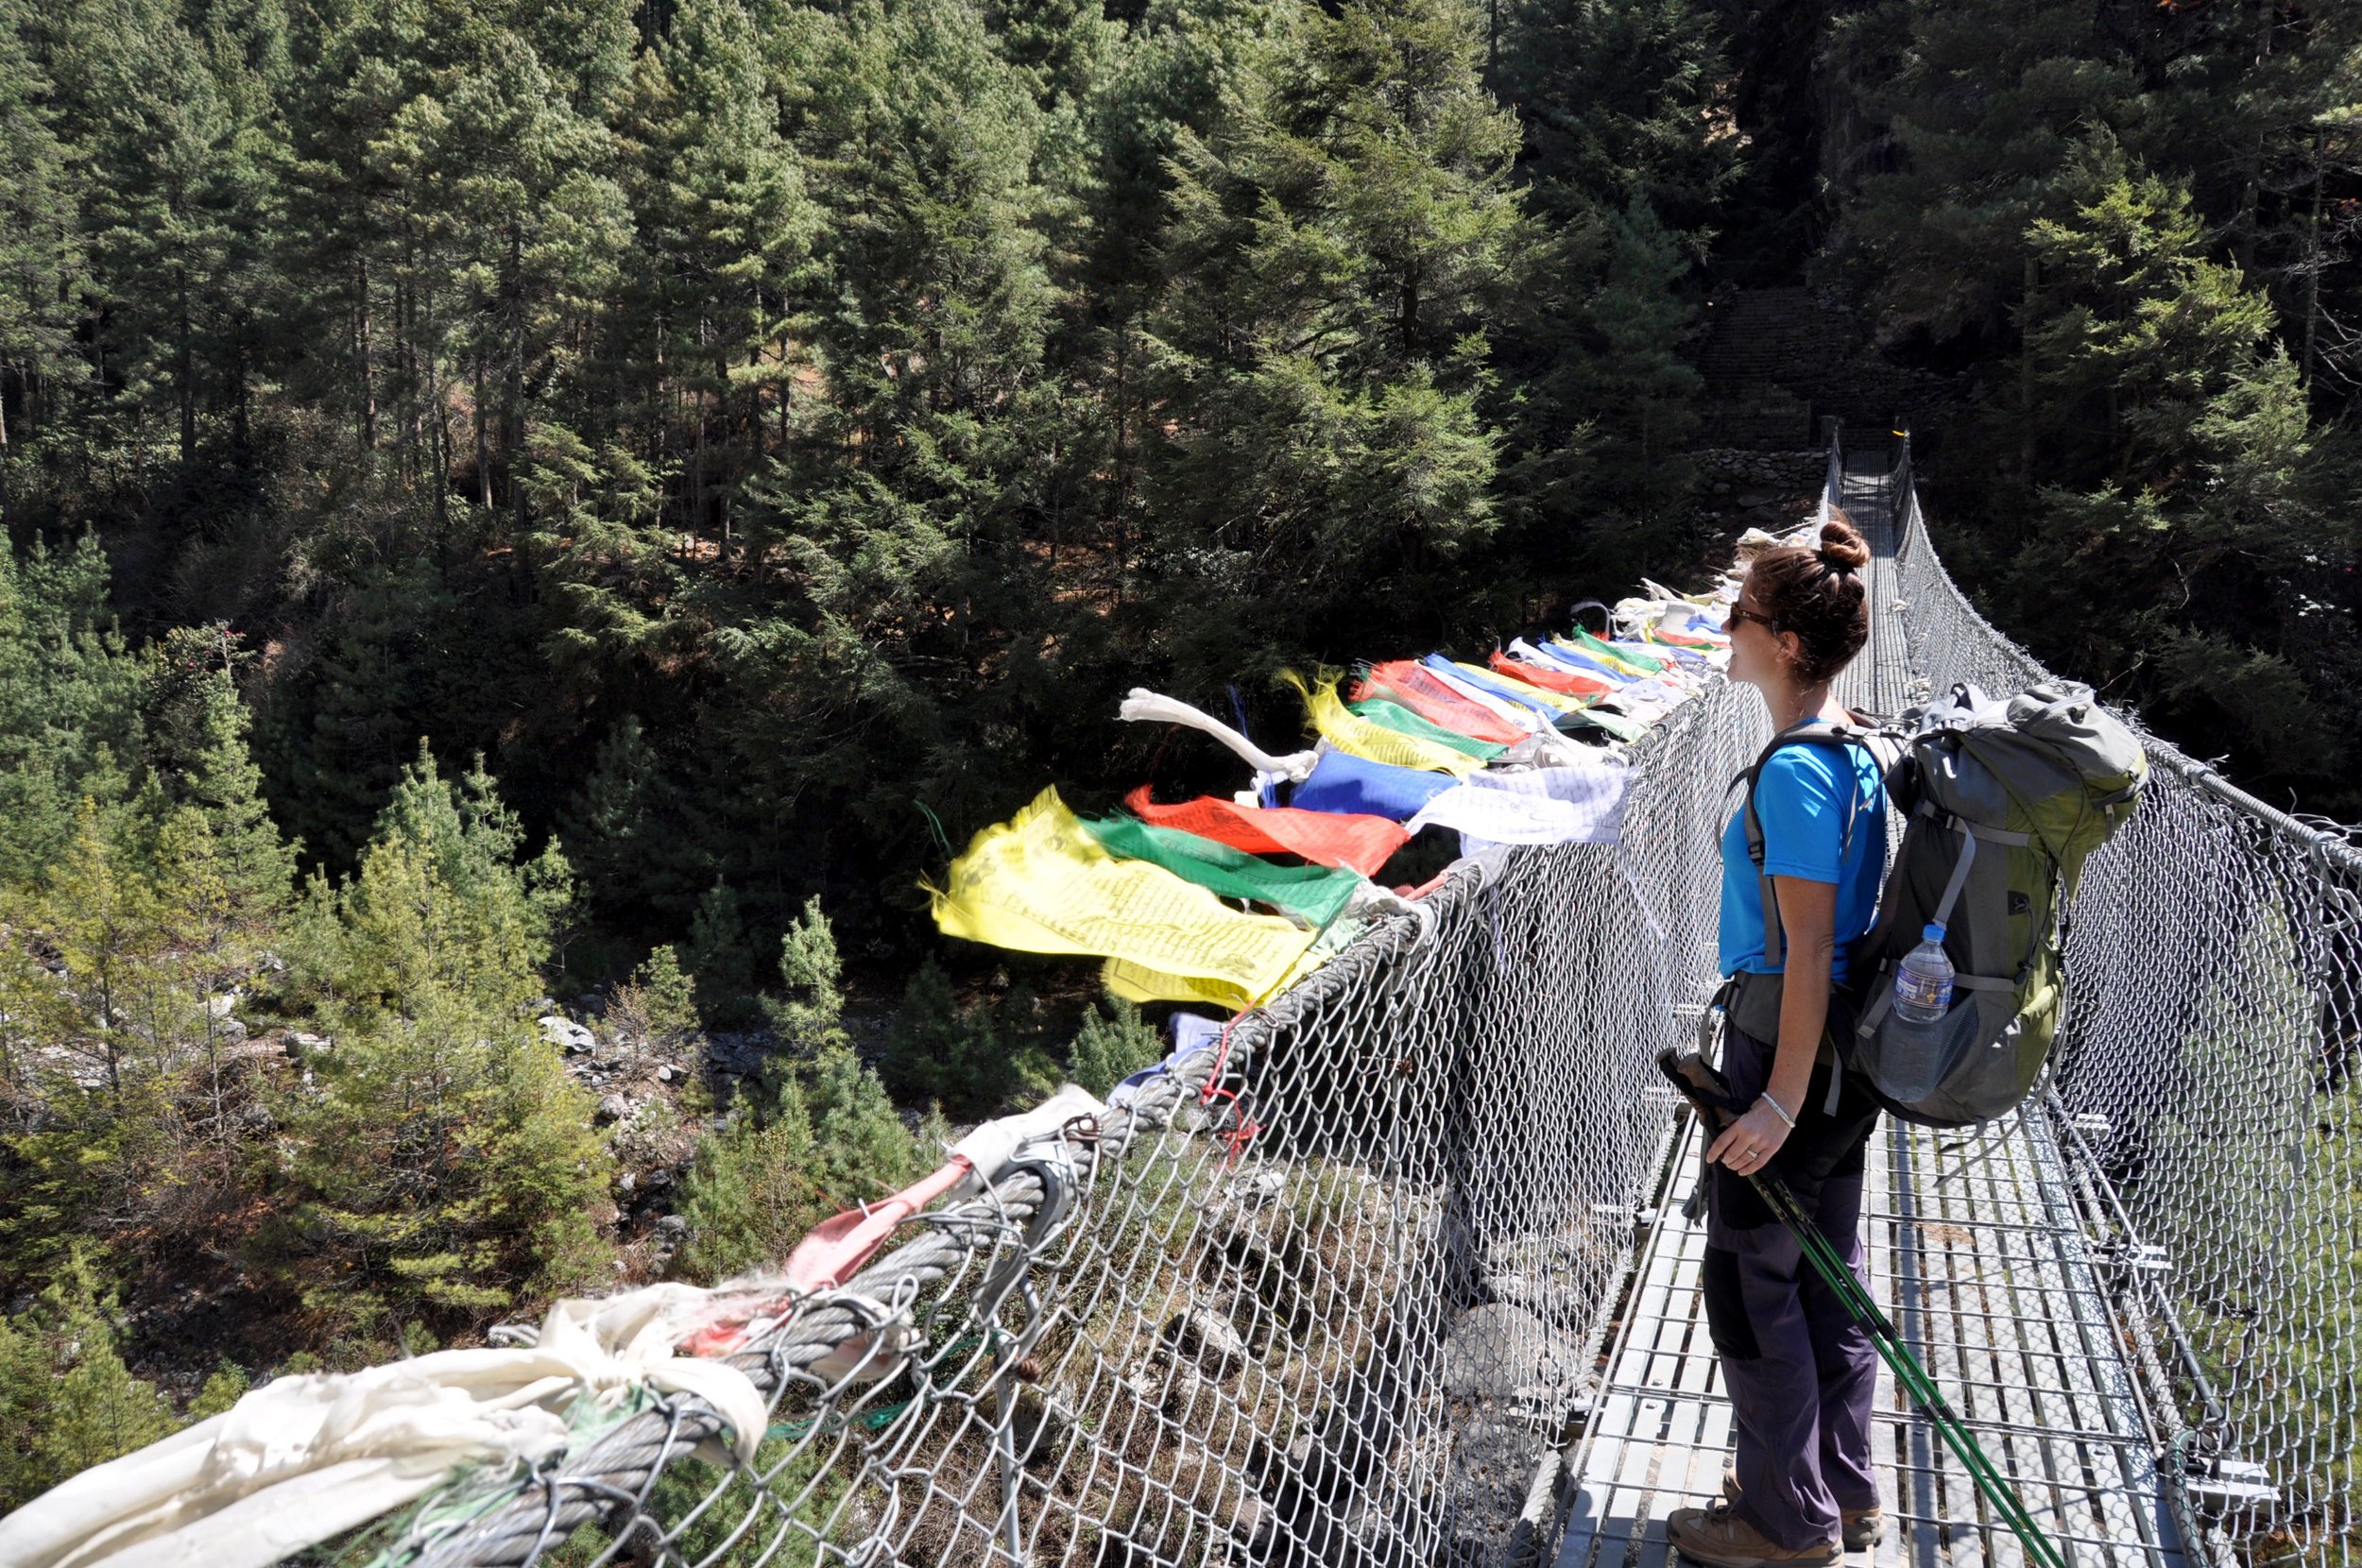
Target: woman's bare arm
[{"x": 1808, "y": 922}]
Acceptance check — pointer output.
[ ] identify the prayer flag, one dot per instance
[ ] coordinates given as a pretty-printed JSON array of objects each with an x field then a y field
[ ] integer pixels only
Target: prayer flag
[
  {"x": 1419, "y": 690},
  {"x": 1328, "y": 838},
  {"x": 1566, "y": 683},
  {"x": 1041, "y": 884},
  {"x": 1395, "y": 717},
  {"x": 1314, "y": 892},
  {"x": 1350, "y": 732},
  {"x": 1341, "y": 781}
]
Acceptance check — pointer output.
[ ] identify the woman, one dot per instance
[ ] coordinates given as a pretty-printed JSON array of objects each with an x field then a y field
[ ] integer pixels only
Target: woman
[{"x": 1800, "y": 1371}]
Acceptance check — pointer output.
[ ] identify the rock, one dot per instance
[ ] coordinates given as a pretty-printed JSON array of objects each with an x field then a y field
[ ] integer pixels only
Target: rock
[
  {"x": 301, "y": 1045},
  {"x": 1755, "y": 498},
  {"x": 1208, "y": 1341},
  {"x": 219, "y": 1006},
  {"x": 673, "y": 1225},
  {"x": 230, "y": 1029},
  {"x": 626, "y": 1182},
  {"x": 1721, "y": 487},
  {"x": 663, "y": 1074},
  {"x": 658, "y": 1180},
  {"x": 613, "y": 1108},
  {"x": 566, "y": 1034},
  {"x": 1500, "y": 1353},
  {"x": 256, "y": 1118},
  {"x": 542, "y": 1004},
  {"x": 591, "y": 1004}
]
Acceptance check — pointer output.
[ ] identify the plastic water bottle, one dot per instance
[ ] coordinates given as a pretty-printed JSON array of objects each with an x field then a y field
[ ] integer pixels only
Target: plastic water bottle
[{"x": 1923, "y": 982}]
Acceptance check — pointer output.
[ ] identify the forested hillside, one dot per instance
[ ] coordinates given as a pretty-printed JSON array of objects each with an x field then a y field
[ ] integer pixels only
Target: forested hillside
[{"x": 506, "y": 500}]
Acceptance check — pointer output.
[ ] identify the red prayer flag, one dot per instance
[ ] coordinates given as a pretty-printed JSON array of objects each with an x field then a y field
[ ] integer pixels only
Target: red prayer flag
[
  {"x": 1569, "y": 682},
  {"x": 1404, "y": 681},
  {"x": 1325, "y": 838}
]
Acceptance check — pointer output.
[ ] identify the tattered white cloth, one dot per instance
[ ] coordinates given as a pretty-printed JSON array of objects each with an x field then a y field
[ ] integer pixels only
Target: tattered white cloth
[
  {"x": 304, "y": 1459},
  {"x": 1581, "y": 804}
]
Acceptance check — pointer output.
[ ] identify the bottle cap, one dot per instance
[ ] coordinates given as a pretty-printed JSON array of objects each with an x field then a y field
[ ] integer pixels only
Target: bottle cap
[{"x": 1933, "y": 933}]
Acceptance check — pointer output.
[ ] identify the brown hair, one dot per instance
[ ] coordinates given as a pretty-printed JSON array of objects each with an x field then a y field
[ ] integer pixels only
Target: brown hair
[{"x": 1818, "y": 594}]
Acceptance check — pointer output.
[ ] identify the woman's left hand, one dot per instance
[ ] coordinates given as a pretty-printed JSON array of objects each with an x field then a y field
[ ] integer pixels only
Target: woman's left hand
[{"x": 1748, "y": 1144}]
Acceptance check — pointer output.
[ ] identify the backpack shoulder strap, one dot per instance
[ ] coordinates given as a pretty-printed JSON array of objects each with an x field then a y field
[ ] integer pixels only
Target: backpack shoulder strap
[{"x": 1832, "y": 736}]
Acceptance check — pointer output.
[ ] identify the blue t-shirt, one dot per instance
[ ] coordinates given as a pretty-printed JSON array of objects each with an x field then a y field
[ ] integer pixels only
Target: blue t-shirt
[{"x": 1822, "y": 822}]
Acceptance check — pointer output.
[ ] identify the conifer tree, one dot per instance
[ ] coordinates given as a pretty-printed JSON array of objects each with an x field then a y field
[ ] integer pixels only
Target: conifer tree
[
  {"x": 42, "y": 259},
  {"x": 2151, "y": 359},
  {"x": 1340, "y": 250},
  {"x": 66, "y": 1400},
  {"x": 449, "y": 1165}
]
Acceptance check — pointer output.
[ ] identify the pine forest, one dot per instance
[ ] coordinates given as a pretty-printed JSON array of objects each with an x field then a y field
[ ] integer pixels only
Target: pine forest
[{"x": 532, "y": 530}]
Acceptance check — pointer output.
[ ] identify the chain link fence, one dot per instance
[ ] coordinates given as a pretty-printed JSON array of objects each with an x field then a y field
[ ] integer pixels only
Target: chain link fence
[
  {"x": 2205, "y": 1085},
  {"x": 1329, "y": 1291}
]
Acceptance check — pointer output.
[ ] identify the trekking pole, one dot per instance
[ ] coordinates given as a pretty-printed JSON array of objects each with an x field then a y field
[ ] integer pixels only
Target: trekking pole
[{"x": 1714, "y": 1116}]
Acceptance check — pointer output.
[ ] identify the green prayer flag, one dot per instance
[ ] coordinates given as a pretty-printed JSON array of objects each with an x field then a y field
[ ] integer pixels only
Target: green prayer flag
[
  {"x": 1615, "y": 723},
  {"x": 1638, "y": 660},
  {"x": 1399, "y": 719},
  {"x": 1314, "y": 892}
]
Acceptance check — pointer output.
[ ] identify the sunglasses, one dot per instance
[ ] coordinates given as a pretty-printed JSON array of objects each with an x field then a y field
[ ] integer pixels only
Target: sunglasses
[{"x": 1765, "y": 621}]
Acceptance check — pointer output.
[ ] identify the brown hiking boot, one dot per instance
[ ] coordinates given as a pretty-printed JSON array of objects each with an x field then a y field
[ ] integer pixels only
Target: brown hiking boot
[
  {"x": 1718, "y": 1538},
  {"x": 1862, "y": 1527}
]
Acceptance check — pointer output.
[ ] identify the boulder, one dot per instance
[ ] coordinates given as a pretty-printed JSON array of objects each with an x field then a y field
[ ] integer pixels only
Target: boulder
[
  {"x": 613, "y": 1108},
  {"x": 1208, "y": 1341},
  {"x": 1500, "y": 1353},
  {"x": 566, "y": 1034}
]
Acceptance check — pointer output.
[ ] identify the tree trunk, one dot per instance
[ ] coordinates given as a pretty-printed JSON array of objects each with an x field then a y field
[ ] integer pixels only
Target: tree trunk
[
  {"x": 363, "y": 353},
  {"x": 2313, "y": 267},
  {"x": 2026, "y": 375},
  {"x": 515, "y": 413},
  {"x": 185, "y": 365},
  {"x": 483, "y": 439}
]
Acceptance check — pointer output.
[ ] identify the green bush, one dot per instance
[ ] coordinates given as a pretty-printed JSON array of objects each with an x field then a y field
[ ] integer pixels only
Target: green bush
[
  {"x": 66, "y": 1400},
  {"x": 827, "y": 1140},
  {"x": 1111, "y": 1045}
]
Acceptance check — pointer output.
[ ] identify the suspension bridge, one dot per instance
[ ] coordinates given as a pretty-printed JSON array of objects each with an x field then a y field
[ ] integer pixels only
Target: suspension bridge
[{"x": 1396, "y": 1270}]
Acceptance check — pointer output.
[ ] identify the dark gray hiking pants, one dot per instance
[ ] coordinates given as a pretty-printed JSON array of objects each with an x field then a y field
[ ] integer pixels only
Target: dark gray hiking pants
[{"x": 1802, "y": 1374}]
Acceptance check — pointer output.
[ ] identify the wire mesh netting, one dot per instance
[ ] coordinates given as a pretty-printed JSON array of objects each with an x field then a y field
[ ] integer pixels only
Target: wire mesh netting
[
  {"x": 2203, "y": 1085},
  {"x": 1328, "y": 1299},
  {"x": 1331, "y": 1291}
]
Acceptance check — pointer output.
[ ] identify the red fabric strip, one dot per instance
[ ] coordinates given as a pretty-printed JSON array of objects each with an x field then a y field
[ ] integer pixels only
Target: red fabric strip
[
  {"x": 1567, "y": 681},
  {"x": 1324, "y": 838},
  {"x": 1403, "y": 681}
]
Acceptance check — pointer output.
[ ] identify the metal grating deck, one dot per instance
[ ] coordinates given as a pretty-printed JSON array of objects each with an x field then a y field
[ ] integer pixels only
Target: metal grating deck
[{"x": 1974, "y": 1250}]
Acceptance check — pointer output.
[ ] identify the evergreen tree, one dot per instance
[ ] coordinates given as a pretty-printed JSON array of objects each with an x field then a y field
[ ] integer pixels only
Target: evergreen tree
[
  {"x": 1111, "y": 1045},
  {"x": 142, "y": 106},
  {"x": 2151, "y": 360},
  {"x": 41, "y": 260},
  {"x": 829, "y": 1141},
  {"x": 1340, "y": 251},
  {"x": 719, "y": 956},
  {"x": 449, "y": 1165},
  {"x": 69, "y": 703},
  {"x": 66, "y": 1400},
  {"x": 810, "y": 1018}
]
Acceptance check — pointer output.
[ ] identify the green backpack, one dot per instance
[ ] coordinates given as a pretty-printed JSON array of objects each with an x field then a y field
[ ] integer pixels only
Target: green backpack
[{"x": 2000, "y": 802}]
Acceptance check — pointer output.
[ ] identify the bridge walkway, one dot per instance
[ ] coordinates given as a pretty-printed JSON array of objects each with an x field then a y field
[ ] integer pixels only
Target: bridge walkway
[{"x": 1977, "y": 1250}]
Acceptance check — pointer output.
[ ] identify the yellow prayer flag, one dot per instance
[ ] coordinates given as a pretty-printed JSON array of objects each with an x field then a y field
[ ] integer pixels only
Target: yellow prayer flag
[
  {"x": 1137, "y": 983},
  {"x": 1350, "y": 732},
  {"x": 1041, "y": 884}
]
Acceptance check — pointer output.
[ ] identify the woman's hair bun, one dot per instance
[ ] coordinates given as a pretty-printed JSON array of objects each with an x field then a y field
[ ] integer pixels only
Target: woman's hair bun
[{"x": 1841, "y": 548}]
